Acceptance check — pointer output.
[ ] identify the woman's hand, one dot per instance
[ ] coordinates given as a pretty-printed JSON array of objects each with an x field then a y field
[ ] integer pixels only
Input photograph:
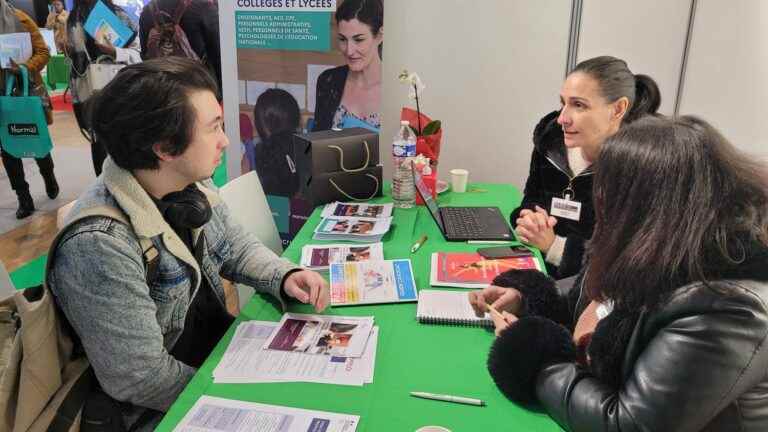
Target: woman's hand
[
  {"x": 502, "y": 321},
  {"x": 536, "y": 228},
  {"x": 500, "y": 298},
  {"x": 106, "y": 47}
]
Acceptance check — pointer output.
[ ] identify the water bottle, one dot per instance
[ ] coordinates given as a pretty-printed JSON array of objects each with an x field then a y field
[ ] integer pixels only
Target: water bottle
[{"x": 403, "y": 149}]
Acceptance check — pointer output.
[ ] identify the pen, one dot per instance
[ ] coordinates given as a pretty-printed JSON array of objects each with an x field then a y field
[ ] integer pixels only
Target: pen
[
  {"x": 493, "y": 310},
  {"x": 449, "y": 398},
  {"x": 418, "y": 244}
]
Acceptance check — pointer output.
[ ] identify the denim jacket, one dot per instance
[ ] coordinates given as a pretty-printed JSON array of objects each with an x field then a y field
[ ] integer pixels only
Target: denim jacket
[{"x": 128, "y": 324}]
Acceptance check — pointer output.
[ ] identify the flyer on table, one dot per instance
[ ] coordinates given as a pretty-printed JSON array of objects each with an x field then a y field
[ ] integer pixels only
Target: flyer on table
[
  {"x": 342, "y": 336},
  {"x": 372, "y": 282}
]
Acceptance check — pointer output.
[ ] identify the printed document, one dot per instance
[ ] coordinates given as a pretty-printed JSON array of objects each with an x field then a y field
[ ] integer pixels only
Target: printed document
[
  {"x": 213, "y": 414},
  {"x": 245, "y": 361},
  {"x": 342, "y": 336},
  {"x": 320, "y": 257}
]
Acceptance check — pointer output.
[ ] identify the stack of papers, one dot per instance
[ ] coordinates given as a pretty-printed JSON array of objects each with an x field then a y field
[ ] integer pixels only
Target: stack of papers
[
  {"x": 217, "y": 414},
  {"x": 366, "y": 230},
  {"x": 354, "y": 222},
  {"x": 320, "y": 257},
  {"x": 376, "y": 211},
  {"x": 370, "y": 282},
  {"x": 304, "y": 348}
]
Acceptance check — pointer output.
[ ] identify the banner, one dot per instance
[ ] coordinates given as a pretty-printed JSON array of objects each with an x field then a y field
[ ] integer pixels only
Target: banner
[{"x": 290, "y": 67}]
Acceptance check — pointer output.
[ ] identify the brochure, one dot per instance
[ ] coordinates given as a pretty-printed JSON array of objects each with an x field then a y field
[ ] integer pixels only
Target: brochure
[
  {"x": 470, "y": 270},
  {"x": 214, "y": 414},
  {"x": 320, "y": 257},
  {"x": 341, "y": 336},
  {"x": 379, "y": 211},
  {"x": 352, "y": 228},
  {"x": 245, "y": 361},
  {"x": 16, "y": 46},
  {"x": 370, "y": 282},
  {"x": 106, "y": 27}
]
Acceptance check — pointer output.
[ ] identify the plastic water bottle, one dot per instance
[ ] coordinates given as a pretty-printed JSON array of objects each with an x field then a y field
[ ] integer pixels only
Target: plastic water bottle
[{"x": 403, "y": 149}]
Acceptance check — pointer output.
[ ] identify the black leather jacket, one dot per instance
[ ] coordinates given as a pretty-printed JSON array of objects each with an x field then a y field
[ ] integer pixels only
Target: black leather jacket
[
  {"x": 549, "y": 175},
  {"x": 697, "y": 363}
]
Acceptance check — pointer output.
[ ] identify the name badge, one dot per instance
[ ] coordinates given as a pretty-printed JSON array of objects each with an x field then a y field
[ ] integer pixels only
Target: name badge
[{"x": 566, "y": 208}]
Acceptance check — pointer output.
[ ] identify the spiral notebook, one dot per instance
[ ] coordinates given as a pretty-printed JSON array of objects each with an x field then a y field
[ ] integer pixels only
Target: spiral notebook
[{"x": 448, "y": 307}]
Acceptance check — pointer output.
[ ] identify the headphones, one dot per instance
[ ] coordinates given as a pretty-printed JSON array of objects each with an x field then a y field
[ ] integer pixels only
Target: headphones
[{"x": 187, "y": 208}]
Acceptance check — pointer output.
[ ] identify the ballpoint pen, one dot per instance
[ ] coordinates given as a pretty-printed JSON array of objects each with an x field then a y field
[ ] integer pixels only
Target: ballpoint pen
[
  {"x": 448, "y": 398},
  {"x": 418, "y": 244}
]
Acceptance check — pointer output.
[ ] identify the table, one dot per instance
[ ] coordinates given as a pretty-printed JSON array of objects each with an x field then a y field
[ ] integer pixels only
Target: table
[{"x": 410, "y": 356}]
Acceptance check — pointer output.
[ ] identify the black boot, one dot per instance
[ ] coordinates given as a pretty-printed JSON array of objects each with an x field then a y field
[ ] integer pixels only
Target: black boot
[
  {"x": 26, "y": 205},
  {"x": 51, "y": 186}
]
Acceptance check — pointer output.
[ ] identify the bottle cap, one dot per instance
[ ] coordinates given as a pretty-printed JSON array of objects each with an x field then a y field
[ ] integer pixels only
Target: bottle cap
[{"x": 404, "y": 123}]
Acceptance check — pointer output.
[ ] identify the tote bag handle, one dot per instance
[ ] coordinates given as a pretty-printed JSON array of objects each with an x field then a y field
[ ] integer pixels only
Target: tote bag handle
[
  {"x": 353, "y": 170},
  {"x": 348, "y": 196},
  {"x": 10, "y": 82}
]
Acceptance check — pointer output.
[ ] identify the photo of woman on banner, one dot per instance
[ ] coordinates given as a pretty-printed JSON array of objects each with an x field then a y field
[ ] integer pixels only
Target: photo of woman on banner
[
  {"x": 350, "y": 95},
  {"x": 276, "y": 118}
]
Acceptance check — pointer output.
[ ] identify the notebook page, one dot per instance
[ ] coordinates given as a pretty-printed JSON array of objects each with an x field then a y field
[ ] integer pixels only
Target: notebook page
[{"x": 447, "y": 307}]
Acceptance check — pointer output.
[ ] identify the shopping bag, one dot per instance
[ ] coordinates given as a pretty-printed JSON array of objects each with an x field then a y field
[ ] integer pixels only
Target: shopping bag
[
  {"x": 96, "y": 77},
  {"x": 338, "y": 165},
  {"x": 23, "y": 126}
]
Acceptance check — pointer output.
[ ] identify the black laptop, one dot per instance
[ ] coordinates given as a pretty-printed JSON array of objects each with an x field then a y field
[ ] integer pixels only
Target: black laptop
[{"x": 465, "y": 223}]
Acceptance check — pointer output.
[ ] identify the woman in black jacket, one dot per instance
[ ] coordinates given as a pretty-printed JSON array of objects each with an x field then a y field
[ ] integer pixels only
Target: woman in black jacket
[
  {"x": 597, "y": 98},
  {"x": 666, "y": 329},
  {"x": 353, "y": 90}
]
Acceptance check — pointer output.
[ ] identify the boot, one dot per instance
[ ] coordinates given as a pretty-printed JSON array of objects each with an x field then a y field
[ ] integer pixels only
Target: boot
[
  {"x": 51, "y": 186},
  {"x": 26, "y": 205}
]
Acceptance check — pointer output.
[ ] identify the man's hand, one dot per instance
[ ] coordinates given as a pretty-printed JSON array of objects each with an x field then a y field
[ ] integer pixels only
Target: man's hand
[
  {"x": 502, "y": 299},
  {"x": 307, "y": 286},
  {"x": 536, "y": 228}
]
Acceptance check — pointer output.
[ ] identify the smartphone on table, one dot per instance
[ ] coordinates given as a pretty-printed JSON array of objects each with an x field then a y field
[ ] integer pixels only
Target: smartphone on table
[{"x": 499, "y": 252}]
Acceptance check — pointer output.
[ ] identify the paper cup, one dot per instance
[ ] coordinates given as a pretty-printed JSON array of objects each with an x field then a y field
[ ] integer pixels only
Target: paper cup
[
  {"x": 459, "y": 179},
  {"x": 432, "y": 429}
]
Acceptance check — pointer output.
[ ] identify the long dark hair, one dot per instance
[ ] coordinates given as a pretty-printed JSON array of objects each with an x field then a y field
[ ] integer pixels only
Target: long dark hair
[
  {"x": 616, "y": 80},
  {"x": 675, "y": 202}
]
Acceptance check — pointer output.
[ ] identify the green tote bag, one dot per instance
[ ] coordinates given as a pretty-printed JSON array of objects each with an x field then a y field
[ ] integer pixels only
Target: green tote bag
[{"x": 23, "y": 127}]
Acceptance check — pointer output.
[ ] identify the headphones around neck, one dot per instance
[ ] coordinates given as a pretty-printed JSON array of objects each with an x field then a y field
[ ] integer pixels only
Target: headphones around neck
[{"x": 187, "y": 208}]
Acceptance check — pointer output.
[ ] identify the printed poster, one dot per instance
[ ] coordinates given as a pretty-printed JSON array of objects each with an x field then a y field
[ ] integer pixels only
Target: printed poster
[{"x": 289, "y": 63}]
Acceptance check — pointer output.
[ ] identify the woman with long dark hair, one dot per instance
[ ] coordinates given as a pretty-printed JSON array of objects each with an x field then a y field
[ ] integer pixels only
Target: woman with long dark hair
[
  {"x": 83, "y": 50},
  {"x": 600, "y": 96},
  {"x": 353, "y": 91},
  {"x": 666, "y": 329}
]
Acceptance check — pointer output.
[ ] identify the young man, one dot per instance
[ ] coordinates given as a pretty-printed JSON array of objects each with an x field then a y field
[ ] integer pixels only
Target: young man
[{"x": 147, "y": 323}]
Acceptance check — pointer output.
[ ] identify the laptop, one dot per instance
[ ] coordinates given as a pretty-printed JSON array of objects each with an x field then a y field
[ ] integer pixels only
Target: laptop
[{"x": 464, "y": 223}]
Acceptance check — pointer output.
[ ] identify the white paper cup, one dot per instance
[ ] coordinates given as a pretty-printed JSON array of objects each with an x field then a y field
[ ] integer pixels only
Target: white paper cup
[
  {"x": 459, "y": 179},
  {"x": 432, "y": 429}
]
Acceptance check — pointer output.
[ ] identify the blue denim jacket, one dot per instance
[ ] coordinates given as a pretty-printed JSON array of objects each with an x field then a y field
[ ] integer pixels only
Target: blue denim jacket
[{"x": 127, "y": 324}]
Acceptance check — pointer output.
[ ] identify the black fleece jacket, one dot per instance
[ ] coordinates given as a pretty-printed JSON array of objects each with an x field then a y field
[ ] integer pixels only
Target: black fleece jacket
[{"x": 549, "y": 176}]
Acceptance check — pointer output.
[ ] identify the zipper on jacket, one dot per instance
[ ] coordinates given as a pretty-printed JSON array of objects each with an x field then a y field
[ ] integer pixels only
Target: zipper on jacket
[{"x": 571, "y": 178}]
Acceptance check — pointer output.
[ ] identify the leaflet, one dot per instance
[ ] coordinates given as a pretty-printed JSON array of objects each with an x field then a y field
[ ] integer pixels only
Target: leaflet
[
  {"x": 342, "y": 336},
  {"x": 352, "y": 228},
  {"x": 377, "y": 211},
  {"x": 245, "y": 361},
  {"x": 320, "y": 257},
  {"x": 16, "y": 47},
  {"x": 370, "y": 282},
  {"x": 212, "y": 414}
]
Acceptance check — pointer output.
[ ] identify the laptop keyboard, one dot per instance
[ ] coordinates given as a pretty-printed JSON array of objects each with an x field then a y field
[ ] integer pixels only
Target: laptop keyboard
[{"x": 462, "y": 222}]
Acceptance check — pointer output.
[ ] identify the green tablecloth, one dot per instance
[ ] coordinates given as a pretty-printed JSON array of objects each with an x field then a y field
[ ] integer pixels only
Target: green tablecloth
[{"x": 410, "y": 356}]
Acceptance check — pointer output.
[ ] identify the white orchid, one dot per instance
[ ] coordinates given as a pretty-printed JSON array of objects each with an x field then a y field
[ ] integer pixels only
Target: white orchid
[{"x": 414, "y": 83}]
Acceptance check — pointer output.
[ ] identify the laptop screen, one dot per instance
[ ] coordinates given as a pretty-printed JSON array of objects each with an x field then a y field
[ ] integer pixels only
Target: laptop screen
[{"x": 426, "y": 195}]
